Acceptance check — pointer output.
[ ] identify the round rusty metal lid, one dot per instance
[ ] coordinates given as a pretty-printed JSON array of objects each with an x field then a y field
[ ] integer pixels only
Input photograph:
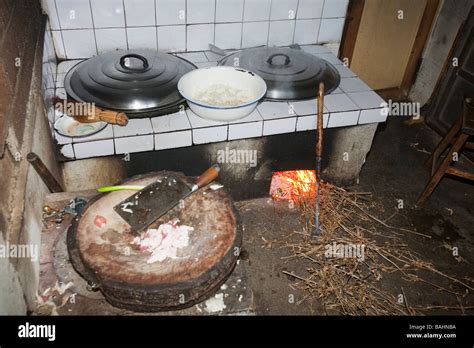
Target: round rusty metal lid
[{"x": 101, "y": 249}]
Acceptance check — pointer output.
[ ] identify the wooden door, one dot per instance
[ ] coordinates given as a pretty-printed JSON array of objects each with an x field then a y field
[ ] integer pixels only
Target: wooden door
[{"x": 384, "y": 39}]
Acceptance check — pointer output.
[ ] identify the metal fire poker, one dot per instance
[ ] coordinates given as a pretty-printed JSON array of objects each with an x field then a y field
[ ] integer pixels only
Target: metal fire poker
[{"x": 319, "y": 149}]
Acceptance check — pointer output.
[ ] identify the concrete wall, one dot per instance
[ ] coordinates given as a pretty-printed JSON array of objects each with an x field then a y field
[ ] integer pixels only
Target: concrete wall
[
  {"x": 24, "y": 128},
  {"x": 450, "y": 17}
]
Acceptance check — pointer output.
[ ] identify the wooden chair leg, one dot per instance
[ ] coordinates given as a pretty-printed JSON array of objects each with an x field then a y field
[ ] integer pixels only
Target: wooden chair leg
[
  {"x": 443, "y": 144},
  {"x": 441, "y": 170}
]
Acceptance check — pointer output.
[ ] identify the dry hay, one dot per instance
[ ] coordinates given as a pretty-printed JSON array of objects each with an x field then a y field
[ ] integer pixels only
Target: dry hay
[{"x": 347, "y": 285}]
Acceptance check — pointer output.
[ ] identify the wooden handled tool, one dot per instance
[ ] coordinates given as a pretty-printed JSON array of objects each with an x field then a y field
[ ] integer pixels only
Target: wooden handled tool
[
  {"x": 319, "y": 150},
  {"x": 89, "y": 113},
  {"x": 207, "y": 177},
  {"x": 144, "y": 207}
]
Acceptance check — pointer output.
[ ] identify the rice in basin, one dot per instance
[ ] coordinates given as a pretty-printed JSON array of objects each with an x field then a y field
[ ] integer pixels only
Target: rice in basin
[{"x": 222, "y": 95}]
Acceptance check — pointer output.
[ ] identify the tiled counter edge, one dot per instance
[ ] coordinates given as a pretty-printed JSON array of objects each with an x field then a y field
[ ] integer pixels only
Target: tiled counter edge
[{"x": 352, "y": 103}]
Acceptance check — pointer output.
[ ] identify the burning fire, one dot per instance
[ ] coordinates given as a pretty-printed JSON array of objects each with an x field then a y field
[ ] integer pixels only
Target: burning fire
[{"x": 293, "y": 185}]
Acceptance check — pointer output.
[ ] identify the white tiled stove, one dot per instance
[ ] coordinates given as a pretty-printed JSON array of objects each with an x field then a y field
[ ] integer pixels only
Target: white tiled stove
[{"x": 352, "y": 103}]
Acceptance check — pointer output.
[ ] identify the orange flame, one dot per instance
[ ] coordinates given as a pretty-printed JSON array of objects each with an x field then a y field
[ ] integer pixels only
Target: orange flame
[{"x": 292, "y": 185}]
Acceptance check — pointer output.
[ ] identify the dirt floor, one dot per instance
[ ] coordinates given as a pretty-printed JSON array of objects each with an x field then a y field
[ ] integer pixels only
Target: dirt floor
[{"x": 394, "y": 170}]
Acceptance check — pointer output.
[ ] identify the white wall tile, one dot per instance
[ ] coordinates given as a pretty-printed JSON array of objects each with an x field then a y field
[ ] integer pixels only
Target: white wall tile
[
  {"x": 110, "y": 39},
  {"x": 170, "y": 123},
  {"x": 194, "y": 57},
  {"x": 79, "y": 43},
  {"x": 306, "y": 107},
  {"x": 310, "y": 9},
  {"x": 331, "y": 58},
  {"x": 337, "y": 91},
  {"x": 66, "y": 65},
  {"x": 344, "y": 71},
  {"x": 48, "y": 79},
  {"x": 253, "y": 117},
  {"x": 212, "y": 57},
  {"x": 173, "y": 140},
  {"x": 139, "y": 13},
  {"x": 255, "y": 34},
  {"x": 353, "y": 84},
  {"x": 310, "y": 122},
  {"x": 48, "y": 70},
  {"x": 172, "y": 38},
  {"x": 94, "y": 149},
  {"x": 67, "y": 151},
  {"x": 257, "y": 10},
  {"x": 108, "y": 13},
  {"x": 200, "y": 11},
  {"x": 74, "y": 14},
  {"x": 58, "y": 44},
  {"x": 306, "y": 31},
  {"x": 61, "y": 140},
  {"x": 60, "y": 93},
  {"x": 335, "y": 8},
  {"x": 229, "y": 11},
  {"x": 144, "y": 37},
  {"x": 367, "y": 100},
  {"x": 339, "y": 102},
  {"x": 341, "y": 119},
  {"x": 60, "y": 80},
  {"x": 315, "y": 49},
  {"x": 331, "y": 30},
  {"x": 49, "y": 7},
  {"x": 281, "y": 33},
  {"x": 199, "y": 122},
  {"x": 209, "y": 135},
  {"x": 134, "y": 144},
  {"x": 284, "y": 125},
  {"x": 49, "y": 54},
  {"x": 372, "y": 116},
  {"x": 283, "y": 9},
  {"x": 333, "y": 47},
  {"x": 199, "y": 36},
  {"x": 106, "y": 133},
  {"x": 170, "y": 12},
  {"x": 228, "y": 35},
  {"x": 270, "y": 110},
  {"x": 206, "y": 64},
  {"x": 138, "y": 126},
  {"x": 245, "y": 130}
]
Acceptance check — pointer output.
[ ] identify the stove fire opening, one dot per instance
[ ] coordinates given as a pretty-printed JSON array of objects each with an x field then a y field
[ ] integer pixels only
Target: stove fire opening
[{"x": 293, "y": 185}]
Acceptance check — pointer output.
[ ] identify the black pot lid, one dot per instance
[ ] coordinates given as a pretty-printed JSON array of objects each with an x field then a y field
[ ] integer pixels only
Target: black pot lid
[
  {"x": 290, "y": 74},
  {"x": 131, "y": 81}
]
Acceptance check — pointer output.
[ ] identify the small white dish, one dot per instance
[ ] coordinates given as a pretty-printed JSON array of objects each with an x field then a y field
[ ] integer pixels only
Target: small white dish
[{"x": 69, "y": 127}]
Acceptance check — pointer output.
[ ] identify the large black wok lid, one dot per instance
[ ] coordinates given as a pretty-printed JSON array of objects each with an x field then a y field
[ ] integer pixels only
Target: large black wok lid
[
  {"x": 134, "y": 82},
  {"x": 290, "y": 74}
]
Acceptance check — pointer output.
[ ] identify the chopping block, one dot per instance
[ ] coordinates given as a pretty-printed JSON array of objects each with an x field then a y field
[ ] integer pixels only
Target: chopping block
[{"x": 101, "y": 249}]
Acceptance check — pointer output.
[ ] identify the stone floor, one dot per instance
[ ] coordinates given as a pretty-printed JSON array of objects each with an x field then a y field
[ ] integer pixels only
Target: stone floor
[
  {"x": 394, "y": 170},
  {"x": 65, "y": 291}
]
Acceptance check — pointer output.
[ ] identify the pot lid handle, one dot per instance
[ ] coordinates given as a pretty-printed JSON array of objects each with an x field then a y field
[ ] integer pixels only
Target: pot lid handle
[
  {"x": 125, "y": 59},
  {"x": 270, "y": 59}
]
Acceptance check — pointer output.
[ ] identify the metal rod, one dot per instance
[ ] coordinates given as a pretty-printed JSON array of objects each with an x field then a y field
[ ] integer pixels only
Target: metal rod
[
  {"x": 319, "y": 150},
  {"x": 44, "y": 173}
]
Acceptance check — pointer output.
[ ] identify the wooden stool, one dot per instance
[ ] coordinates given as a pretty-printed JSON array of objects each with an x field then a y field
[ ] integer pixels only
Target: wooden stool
[{"x": 455, "y": 140}]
